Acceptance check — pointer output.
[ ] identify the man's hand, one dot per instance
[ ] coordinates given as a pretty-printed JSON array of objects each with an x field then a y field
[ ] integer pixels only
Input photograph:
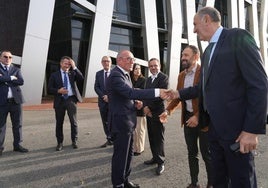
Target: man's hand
[
  {"x": 248, "y": 141},
  {"x": 63, "y": 91},
  {"x": 169, "y": 94},
  {"x": 163, "y": 117},
  {"x": 13, "y": 77},
  {"x": 72, "y": 63},
  {"x": 105, "y": 98},
  {"x": 192, "y": 122},
  {"x": 147, "y": 111}
]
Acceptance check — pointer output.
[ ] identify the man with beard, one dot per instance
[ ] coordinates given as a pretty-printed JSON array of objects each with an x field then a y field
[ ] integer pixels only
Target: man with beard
[{"x": 189, "y": 116}]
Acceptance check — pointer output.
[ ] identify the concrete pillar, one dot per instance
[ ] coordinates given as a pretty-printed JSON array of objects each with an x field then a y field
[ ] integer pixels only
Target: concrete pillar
[{"x": 35, "y": 49}]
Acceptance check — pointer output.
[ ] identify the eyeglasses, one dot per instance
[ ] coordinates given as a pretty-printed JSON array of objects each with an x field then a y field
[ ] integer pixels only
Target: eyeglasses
[
  {"x": 130, "y": 59},
  {"x": 8, "y": 57},
  {"x": 104, "y": 61}
]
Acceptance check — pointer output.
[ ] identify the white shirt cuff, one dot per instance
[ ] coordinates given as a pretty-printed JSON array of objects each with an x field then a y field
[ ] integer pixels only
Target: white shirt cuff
[{"x": 157, "y": 92}]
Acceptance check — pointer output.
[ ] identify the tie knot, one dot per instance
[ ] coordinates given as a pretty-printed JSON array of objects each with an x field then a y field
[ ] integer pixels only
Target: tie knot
[{"x": 127, "y": 75}]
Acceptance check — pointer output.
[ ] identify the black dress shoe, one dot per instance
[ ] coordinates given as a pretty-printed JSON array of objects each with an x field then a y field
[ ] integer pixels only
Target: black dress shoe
[
  {"x": 104, "y": 145},
  {"x": 136, "y": 153},
  {"x": 21, "y": 149},
  {"x": 129, "y": 184},
  {"x": 1, "y": 152},
  {"x": 160, "y": 169},
  {"x": 110, "y": 143},
  {"x": 150, "y": 162},
  {"x": 74, "y": 144},
  {"x": 193, "y": 186},
  {"x": 59, "y": 147},
  {"x": 107, "y": 143}
]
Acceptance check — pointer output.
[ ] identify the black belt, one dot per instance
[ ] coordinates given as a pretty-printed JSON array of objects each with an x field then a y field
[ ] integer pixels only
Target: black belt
[
  {"x": 70, "y": 96},
  {"x": 10, "y": 100},
  {"x": 189, "y": 113}
]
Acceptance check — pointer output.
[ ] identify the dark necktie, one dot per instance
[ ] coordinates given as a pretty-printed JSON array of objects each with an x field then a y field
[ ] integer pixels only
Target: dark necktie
[
  {"x": 205, "y": 70},
  {"x": 105, "y": 78},
  {"x": 128, "y": 78},
  {"x": 65, "y": 84},
  {"x": 5, "y": 69}
]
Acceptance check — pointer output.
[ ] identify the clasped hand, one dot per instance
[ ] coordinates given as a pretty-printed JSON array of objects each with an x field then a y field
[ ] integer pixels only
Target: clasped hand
[{"x": 169, "y": 94}]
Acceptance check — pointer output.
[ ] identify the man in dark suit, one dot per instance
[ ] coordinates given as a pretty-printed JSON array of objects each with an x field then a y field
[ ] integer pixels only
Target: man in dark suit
[
  {"x": 10, "y": 101},
  {"x": 152, "y": 109},
  {"x": 100, "y": 89},
  {"x": 66, "y": 95},
  {"x": 233, "y": 98},
  {"x": 123, "y": 101}
]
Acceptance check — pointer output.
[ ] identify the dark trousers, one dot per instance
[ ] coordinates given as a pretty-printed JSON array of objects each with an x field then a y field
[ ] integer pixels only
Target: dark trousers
[
  {"x": 68, "y": 105},
  {"x": 104, "y": 118},
  {"x": 122, "y": 157},
  {"x": 193, "y": 135},
  {"x": 15, "y": 111},
  {"x": 230, "y": 169},
  {"x": 156, "y": 132}
]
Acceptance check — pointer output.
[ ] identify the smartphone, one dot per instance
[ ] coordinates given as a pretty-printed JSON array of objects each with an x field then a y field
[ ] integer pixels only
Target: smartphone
[{"x": 235, "y": 147}]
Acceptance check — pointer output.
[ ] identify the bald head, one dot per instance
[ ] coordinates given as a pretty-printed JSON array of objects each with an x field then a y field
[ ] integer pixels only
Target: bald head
[{"x": 125, "y": 60}]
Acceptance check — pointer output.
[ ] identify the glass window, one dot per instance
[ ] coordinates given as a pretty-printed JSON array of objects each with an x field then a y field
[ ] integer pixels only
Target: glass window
[{"x": 127, "y": 10}]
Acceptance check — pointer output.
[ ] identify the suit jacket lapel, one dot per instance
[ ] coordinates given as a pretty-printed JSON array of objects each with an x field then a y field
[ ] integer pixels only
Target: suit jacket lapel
[
  {"x": 59, "y": 77},
  {"x": 216, "y": 52},
  {"x": 102, "y": 79}
]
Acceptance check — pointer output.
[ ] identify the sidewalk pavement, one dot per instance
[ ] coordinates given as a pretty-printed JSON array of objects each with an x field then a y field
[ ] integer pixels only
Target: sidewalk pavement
[{"x": 90, "y": 166}]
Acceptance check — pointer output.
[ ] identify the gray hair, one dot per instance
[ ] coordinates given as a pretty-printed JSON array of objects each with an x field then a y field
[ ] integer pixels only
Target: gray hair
[{"x": 213, "y": 13}]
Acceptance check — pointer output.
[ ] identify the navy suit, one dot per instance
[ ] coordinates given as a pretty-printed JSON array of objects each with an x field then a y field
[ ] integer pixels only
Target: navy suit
[
  {"x": 122, "y": 119},
  {"x": 155, "y": 128},
  {"x": 100, "y": 89},
  {"x": 12, "y": 106},
  {"x": 236, "y": 100},
  {"x": 61, "y": 105}
]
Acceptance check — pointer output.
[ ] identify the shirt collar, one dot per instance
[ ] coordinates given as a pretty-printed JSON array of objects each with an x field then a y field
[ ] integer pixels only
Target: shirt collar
[
  {"x": 125, "y": 72},
  {"x": 154, "y": 75},
  {"x": 3, "y": 65},
  {"x": 193, "y": 70},
  {"x": 62, "y": 71},
  {"x": 216, "y": 35}
]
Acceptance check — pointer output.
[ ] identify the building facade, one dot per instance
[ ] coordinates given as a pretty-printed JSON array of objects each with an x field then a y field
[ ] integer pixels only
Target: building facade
[{"x": 40, "y": 32}]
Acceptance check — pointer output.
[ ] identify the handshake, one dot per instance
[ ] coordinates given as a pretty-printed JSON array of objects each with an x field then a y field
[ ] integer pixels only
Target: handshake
[{"x": 169, "y": 94}]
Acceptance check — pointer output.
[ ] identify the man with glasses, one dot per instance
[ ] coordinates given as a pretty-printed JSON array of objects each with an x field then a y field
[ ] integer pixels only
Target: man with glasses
[
  {"x": 100, "y": 89},
  {"x": 123, "y": 101},
  {"x": 10, "y": 101}
]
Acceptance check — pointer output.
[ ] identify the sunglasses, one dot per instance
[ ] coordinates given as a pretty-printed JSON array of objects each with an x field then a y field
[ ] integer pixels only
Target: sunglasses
[{"x": 8, "y": 57}]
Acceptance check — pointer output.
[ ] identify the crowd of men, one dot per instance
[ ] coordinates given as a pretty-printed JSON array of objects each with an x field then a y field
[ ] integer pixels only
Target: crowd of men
[{"x": 224, "y": 105}]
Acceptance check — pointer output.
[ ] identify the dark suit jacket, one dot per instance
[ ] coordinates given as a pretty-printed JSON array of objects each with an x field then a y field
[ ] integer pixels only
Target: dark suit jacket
[
  {"x": 100, "y": 88},
  {"x": 236, "y": 88},
  {"x": 56, "y": 82},
  {"x": 139, "y": 83},
  {"x": 156, "y": 105},
  {"x": 121, "y": 94},
  {"x": 5, "y": 82}
]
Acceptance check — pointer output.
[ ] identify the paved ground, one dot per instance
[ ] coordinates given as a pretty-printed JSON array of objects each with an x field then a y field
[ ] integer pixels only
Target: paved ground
[{"x": 89, "y": 166}]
